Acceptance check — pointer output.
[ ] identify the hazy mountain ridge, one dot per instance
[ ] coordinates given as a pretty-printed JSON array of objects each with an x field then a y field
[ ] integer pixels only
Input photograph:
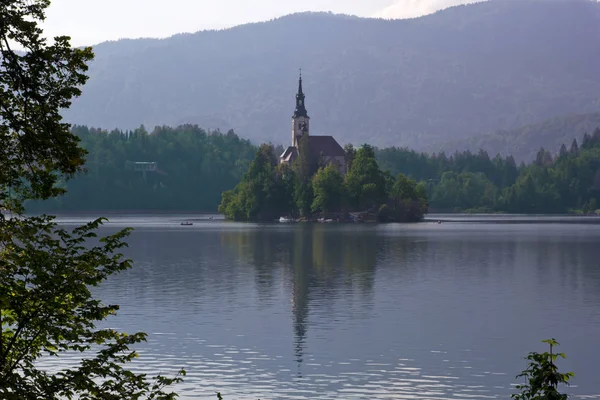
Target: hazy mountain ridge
[
  {"x": 420, "y": 82},
  {"x": 523, "y": 143}
]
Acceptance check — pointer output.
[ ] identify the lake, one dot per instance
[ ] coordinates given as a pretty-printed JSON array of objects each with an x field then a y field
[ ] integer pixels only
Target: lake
[{"x": 425, "y": 311}]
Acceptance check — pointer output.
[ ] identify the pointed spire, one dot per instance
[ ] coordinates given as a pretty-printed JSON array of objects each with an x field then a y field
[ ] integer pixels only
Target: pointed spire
[
  {"x": 300, "y": 106},
  {"x": 300, "y": 83}
]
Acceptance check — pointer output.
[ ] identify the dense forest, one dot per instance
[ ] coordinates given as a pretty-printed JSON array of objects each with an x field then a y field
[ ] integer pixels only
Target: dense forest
[
  {"x": 194, "y": 167},
  {"x": 310, "y": 188},
  {"x": 561, "y": 182}
]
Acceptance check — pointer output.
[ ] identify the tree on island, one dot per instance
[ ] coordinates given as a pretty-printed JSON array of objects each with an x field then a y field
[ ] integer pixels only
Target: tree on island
[
  {"x": 266, "y": 191},
  {"x": 407, "y": 200},
  {"x": 46, "y": 306},
  {"x": 304, "y": 167},
  {"x": 328, "y": 188},
  {"x": 364, "y": 181}
]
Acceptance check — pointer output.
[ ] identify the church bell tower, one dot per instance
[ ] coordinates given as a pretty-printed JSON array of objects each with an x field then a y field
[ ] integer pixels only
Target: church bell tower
[{"x": 300, "y": 119}]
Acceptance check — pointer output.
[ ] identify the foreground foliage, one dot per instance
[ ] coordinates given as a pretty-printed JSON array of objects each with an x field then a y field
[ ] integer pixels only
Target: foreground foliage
[
  {"x": 34, "y": 86},
  {"x": 309, "y": 189},
  {"x": 48, "y": 310},
  {"x": 542, "y": 376},
  {"x": 46, "y": 307}
]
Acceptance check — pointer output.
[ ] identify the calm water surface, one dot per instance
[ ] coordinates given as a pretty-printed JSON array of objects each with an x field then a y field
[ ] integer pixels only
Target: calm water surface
[{"x": 427, "y": 311}]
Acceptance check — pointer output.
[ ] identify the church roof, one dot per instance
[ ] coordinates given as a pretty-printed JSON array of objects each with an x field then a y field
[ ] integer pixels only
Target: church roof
[
  {"x": 289, "y": 154},
  {"x": 326, "y": 145}
]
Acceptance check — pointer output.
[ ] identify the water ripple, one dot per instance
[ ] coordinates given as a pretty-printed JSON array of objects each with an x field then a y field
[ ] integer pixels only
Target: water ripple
[{"x": 329, "y": 312}]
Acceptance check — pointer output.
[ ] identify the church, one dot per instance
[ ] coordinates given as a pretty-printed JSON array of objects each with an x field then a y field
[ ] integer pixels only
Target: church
[{"x": 325, "y": 147}]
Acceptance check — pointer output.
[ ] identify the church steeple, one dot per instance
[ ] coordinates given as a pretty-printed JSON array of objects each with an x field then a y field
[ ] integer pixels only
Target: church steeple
[
  {"x": 300, "y": 106},
  {"x": 300, "y": 84},
  {"x": 300, "y": 119}
]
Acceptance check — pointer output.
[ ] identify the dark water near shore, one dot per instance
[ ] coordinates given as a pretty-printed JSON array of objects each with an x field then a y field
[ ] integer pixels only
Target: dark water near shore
[{"x": 427, "y": 311}]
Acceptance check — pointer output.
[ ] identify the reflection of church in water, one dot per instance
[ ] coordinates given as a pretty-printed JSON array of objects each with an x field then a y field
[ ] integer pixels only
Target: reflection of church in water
[
  {"x": 300, "y": 290},
  {"x": 300, "y": 312},
  {"x": 315, "y": 275},
  {"x": 325, "y": 148}
]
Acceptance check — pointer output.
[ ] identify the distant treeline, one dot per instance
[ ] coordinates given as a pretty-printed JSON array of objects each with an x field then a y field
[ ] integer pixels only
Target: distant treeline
[
  {"x": 567, "y": 181},
  {"x": 195, "y": 166}
]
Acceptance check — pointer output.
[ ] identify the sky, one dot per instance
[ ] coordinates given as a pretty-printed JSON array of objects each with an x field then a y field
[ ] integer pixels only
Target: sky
[{"x": 90, "y": 22}]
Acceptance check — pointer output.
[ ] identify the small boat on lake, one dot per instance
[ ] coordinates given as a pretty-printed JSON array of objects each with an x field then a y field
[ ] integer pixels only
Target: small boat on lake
[
  {"x": 285, "y": 220},
  {"x": 187, "y": 223}
]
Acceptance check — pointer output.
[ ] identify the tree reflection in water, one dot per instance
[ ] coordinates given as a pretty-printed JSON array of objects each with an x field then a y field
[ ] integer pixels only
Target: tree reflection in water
[{"x": 324, "y": 262}]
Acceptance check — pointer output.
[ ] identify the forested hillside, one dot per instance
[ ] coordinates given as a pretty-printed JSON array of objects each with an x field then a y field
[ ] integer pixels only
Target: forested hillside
[
  {"x": 566, "y": 180},
  {"x": 193, "y": 167},
  {"x": 459, "y": 73}
]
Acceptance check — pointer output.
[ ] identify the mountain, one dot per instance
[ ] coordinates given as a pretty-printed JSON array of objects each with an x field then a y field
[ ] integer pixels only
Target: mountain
[
  {"x": 524, "y": 143},
  {"x": 455, "y": 74}
]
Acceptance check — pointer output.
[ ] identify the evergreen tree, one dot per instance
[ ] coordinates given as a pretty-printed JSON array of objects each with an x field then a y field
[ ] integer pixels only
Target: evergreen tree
[
  {"x": 510, "y": 172},
  {"x": 304, "y": 165},
  {"x": 349, "y": 155},
  {"x": 587, "y": 141},
  {"x": 574, "y": 148},
  {"x": 562, "y": 153},
  {"x": 543, "y": 158},
  {"x": 596, "y": 137}
]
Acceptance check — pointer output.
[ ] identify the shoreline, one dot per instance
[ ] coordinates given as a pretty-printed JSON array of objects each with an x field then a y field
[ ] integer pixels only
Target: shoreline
[
  {"x": 71, "y": 213},
  {"x": 204, "y": 212}
]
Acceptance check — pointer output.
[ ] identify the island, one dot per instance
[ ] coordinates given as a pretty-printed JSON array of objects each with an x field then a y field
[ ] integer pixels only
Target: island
[{"x": 315, "y": 179}]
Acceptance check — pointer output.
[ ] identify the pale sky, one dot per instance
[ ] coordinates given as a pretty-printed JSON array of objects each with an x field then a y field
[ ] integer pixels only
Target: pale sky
[{"x": 93, "y": 21}]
